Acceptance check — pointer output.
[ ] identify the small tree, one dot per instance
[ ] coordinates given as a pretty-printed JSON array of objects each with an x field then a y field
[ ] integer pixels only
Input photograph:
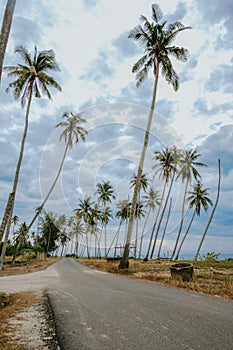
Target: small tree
[{"x": 50, "y": 234}]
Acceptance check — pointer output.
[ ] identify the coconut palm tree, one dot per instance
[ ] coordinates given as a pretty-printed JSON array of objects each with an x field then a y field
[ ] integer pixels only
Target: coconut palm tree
[
  {"x": 5, "y": 31},
  {"x": 139, "y": 213},
  {"x": 165, "y": 168},
  {"x": 73, "y": 132},
  {"x": 14, "y": 221},
  {"x": 107, "y": 214},
  {"x": 143, "y": 185},
  {"x": 84, "y": 211},
  {"x": 76, "y": 229},
  {"x": 187, "y": 172},
  {"x": 212, "y": 213},
  {"x": 31, "y": 80},
  {"x": 96, "y": 216},
  {"x": 105, "y": 195},
  {"x": 198, "y": 198},
  {"x": 156, "y": 38},
  {"x": 123, "y": 211},
  {"x": 151, "y": 200},
  {"x": 22, "y": 233},
  {"x": 171, "y": 167},
  {"x": 165, "y": 228}
]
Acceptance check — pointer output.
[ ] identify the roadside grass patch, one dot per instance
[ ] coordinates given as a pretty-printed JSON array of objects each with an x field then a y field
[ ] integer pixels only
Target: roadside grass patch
[{"x": 214, "y": 278}]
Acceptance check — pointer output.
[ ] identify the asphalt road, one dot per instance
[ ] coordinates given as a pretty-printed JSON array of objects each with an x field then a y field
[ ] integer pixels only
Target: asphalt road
[{"x": 97, "y": 311}]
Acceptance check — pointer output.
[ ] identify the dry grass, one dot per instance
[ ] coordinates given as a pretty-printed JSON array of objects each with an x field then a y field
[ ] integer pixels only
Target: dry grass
[
  {"x": 210, "y": 278},
  {"x": 10, "y": 306},
  {"x": 26, "y": 265}
]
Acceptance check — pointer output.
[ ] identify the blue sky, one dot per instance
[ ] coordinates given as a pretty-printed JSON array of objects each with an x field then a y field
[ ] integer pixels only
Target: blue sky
[{"x": 95, "y": 57}]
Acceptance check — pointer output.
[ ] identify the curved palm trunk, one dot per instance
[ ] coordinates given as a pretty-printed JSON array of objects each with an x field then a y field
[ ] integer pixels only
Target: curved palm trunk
[
  {"x": 186, "y": 233},
  {"x": 213, "y": 211},
  {"x": 5, "y": 217},
  {"x": 11, "y": 200},
  {"x": 3, "y": 253},
  {"x": 115, "y": 237},
  {"x": 182, "y": 220},
  {"x": 137, "y": 223},
  {"x": 155, "y": 223},
  {"x": 51, "y": 189},
  {"x": 143, "y": 230},
  {"x": 165, "y": 228},
  {"x": 124, "y": 261},
  {"x": 162, "y": 215},
  {"x": 5, "y": 31}
]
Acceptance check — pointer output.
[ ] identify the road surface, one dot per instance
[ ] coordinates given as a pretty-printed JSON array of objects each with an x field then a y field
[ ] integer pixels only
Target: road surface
[{"x": 97, "y": 311}]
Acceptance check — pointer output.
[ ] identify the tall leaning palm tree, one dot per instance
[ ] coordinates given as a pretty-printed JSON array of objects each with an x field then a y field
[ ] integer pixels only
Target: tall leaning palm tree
[
  {"x": 32, "y": 79},
  {"x": 5, "y": 31},
  {"x": 156, "y": 38},
  {"x": 187, "y": 172},
  {"x": 197, "y": 199},
  {"x": 151, "y": 200},
  {"x": 73, "y": 132},
  {"x": 143, "y": 186},
  {"x": 212, "y": 213},
  {"x": 84, "y": 211}
]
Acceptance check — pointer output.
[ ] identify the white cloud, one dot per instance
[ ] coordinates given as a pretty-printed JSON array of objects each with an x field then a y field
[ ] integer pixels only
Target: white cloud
[{"x": 89, "y": 39}]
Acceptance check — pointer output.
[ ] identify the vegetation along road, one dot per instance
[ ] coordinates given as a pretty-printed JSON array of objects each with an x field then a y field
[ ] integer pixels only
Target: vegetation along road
[{"x": 97, "y": 310}]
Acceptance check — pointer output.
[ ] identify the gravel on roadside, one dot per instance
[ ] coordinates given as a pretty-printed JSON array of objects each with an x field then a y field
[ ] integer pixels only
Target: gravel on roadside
[{"x": 35, "y": 327}]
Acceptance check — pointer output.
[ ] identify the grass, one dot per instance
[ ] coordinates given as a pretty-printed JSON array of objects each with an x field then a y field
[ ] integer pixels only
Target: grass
[
  {"x": 26, "y": 264},
  {"x": 214, "y": 278}
]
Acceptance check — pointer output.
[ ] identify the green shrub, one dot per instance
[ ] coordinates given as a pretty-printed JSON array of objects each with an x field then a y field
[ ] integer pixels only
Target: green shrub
[{"x": 210, "y": 257}]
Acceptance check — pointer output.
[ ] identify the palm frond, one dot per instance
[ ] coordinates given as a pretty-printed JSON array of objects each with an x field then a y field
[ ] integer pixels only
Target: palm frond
[
  {"x": 138, "y": 65},
  {"x": 23, "y": 52},
  {"x": 157, "y": 13},
  {"x": 171, "y": 35},
  {"x": 169, "y": 73},
  {"x": 180, "y": 53}
]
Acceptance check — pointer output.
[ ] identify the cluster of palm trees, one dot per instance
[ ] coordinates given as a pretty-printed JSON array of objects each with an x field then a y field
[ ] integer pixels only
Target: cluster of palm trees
[
  {"x": 31, "y": 79},
  {"x": 172, "y": 166}
]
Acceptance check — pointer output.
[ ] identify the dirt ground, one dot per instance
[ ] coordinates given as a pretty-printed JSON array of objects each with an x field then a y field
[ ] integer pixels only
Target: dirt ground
[{"x": 26, "y": 321}]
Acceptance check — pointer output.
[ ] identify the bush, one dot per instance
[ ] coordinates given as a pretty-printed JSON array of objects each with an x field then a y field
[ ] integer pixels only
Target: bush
[
  {"x": 10, "y": 249},
  {"x": 210, "y": 257},
  {"x": 38, "y": 248}
]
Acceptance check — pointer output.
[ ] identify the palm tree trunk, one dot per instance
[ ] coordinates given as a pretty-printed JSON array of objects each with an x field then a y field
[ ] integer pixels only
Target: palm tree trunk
[
  {"x": 143, "y": 230},
  {"x": 115, "y": 236},
  {"x": 155, "y": 223},
  {"x": 5, "y": 217},
  {"x": 186, "y": 233},
  {"x": 5, "y": 31},
  {"x": 51, "y": 189},
  {"x": 136, "y": 236},
  {"x": 165, "y": 228},
  {"x": 162, "y": 214},
  {"x": 11, "y": 200},
  {"x": 3, "y": 253},
  {"x": 124, "y": 261},
  {"x": 182, "y": 220},
  {"x": 213, "y": 211}
]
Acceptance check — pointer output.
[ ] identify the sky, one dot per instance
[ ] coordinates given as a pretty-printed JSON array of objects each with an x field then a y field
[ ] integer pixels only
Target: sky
[{"x": 95, "y": 56}]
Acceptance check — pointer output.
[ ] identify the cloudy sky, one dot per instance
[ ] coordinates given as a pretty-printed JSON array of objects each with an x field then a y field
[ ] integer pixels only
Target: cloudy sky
[{"x": 95, "y": 57}]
